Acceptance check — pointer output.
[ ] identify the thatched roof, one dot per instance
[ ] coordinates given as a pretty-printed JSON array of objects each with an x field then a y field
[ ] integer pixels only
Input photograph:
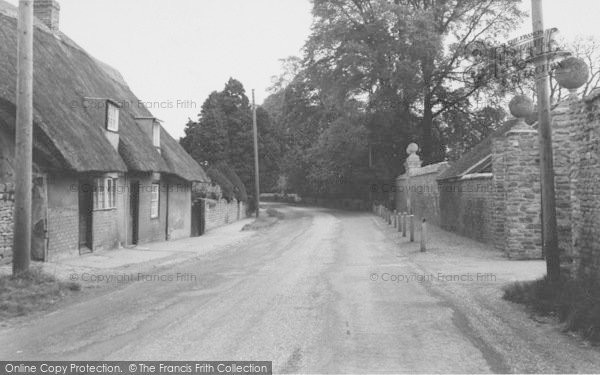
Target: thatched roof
[
  {"x": 65, "y": 77},
  {"x": 477, "y": 154},
  {"x": 179, "y": 160}
]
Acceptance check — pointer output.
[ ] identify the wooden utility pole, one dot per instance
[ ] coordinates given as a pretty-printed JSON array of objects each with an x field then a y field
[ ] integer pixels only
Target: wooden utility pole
[
  {"x": 256, "y": 174},
  {"x": 23, "y": 139},
  {"x": 549, "y": 230}
]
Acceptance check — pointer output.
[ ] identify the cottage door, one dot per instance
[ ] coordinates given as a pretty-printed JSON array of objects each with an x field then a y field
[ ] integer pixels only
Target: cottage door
[
  {"x": 202, "y": 216},
  {"x": 134, "y": 213},
  {"x": 198, "y": 225},
  {"x": 86, "y": 211}
]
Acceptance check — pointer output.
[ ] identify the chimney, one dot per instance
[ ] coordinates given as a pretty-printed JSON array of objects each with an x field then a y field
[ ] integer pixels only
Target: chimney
[{"x": 47, "y": 11}]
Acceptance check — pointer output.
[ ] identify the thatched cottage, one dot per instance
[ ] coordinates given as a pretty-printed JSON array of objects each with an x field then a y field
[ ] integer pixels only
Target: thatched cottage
[{"x": 106, "y": 172}]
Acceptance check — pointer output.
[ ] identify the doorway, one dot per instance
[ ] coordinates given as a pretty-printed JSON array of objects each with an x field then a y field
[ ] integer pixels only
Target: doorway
[
  {"x": 86, "y": 212},
  {"x": 198, "y": 218},
  {"x": 134, "y": 212}
]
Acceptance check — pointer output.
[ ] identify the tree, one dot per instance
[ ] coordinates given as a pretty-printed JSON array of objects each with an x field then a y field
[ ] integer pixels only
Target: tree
[
  {"x": 408, "y": 52},
  {"x": 470, "y": 128},
  {"x": 339, "y": 165},
  {"x": 223, "y": 136},
  {"x": 207, "y": 140}
]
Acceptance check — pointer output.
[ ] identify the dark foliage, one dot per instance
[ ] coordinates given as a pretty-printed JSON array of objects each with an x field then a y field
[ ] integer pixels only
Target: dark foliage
[{"x": 576, "y": 303}]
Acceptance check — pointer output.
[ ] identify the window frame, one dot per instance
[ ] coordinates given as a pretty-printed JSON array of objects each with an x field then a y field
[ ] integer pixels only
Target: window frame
[
  {"x": 105, "y": 193},
  {"x": 99, "y": 194},
  {"x": 155, "y": 200},
  {"x": 156, "y": 134},
  {"x": 110, "y": 105}
]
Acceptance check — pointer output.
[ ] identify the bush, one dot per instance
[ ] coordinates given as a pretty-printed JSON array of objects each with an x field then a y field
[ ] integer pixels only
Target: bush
[
  {"x": 574, "y": 302},
  {"x": 206, "y": 190},
  {"x": 227, "y": 188},
  {"x": 239, "y": 189}
]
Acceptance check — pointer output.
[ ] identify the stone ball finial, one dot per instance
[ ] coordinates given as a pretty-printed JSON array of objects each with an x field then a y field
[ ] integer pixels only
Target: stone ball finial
[
  {"x": 572, "y": 73},
  {"x": 412, "y": 148},
  {"x": 520, "y": 106},
  {"x": 533, "y": 116}
]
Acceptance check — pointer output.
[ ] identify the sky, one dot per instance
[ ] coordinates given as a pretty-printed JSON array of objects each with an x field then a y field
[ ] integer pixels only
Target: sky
[{"x": 174, "y": 53}]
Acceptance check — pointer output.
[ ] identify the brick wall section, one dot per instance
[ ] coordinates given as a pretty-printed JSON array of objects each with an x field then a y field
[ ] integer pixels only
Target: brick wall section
[
  {"x": 105, "y": 230},
  {"x": 63, "y": 232},
  {"x": 466, "y": 206},
  {"x": 219, "y": 213},
  {"x": 6, "y": 221},
  {"x": 516, "y": 212},
  {"x": 63, "y": 217}
]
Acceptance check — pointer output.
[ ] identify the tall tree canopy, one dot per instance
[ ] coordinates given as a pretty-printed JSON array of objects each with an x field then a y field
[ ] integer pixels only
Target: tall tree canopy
[
  {"x": 380, "y": 74},
  {"x": 223, "y": 136},
  {"x": 407, "y": 57}
]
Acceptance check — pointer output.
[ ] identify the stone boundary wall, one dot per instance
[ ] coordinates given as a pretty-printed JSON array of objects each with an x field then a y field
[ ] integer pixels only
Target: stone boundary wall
[
  {"x": 220, "y": 213},
  {"x": 517, "y": 193},
  {"x": 466, "y": 206},
  {"x": 584, "y": 180},
  {"x": 417, "y": 192},
  {"x": 6, "y": 221}
]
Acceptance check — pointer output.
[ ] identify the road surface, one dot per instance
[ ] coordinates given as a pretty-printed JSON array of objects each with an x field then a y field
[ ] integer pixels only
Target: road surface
[{"x": 305, "y": 294}]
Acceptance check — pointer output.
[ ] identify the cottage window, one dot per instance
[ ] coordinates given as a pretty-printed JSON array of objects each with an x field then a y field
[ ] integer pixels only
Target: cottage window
[
  {"x": 105, "y": 193},
  {"x": 111, "y": 192},
  {"x": 99, "y": 196},
  {"x": 154, "y": 201},
  {"x": 112, "y": 117},
  {"x": 156, "y": 134}
]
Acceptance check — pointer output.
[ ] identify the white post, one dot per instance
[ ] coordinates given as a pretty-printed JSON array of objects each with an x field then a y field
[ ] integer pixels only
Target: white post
[{"x": 424, "y": 236}]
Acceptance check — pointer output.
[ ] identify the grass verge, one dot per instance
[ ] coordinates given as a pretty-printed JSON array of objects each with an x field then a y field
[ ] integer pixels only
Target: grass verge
[
  {"x": 31, "y": 291},
  {"x": 265, "y": 221},
  {"x": 576, "y": 303}
]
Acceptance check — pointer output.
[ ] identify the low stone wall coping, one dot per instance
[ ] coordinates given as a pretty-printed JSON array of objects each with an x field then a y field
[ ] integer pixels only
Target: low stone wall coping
[{"x": 476, "y": 176}]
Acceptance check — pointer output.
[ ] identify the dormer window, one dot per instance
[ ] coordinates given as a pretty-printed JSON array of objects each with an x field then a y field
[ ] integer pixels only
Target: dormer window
[
  {"x": 112, "y": 117},
  {"x": 156, "y": 134}
]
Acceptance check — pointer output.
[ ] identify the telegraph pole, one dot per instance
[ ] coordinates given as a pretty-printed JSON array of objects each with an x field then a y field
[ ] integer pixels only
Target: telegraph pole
[
  {"x": 23, "y": 139},
  {"x": 549, "y": 230},
  {"x": 256, "y": 174}
]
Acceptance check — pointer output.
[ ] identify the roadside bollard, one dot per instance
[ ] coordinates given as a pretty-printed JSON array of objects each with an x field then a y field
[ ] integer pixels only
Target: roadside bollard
[
  {"x": 404, "y": 219},
  {"x": 412, "y": 228},
  {"x": 424, "y": 236}
]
